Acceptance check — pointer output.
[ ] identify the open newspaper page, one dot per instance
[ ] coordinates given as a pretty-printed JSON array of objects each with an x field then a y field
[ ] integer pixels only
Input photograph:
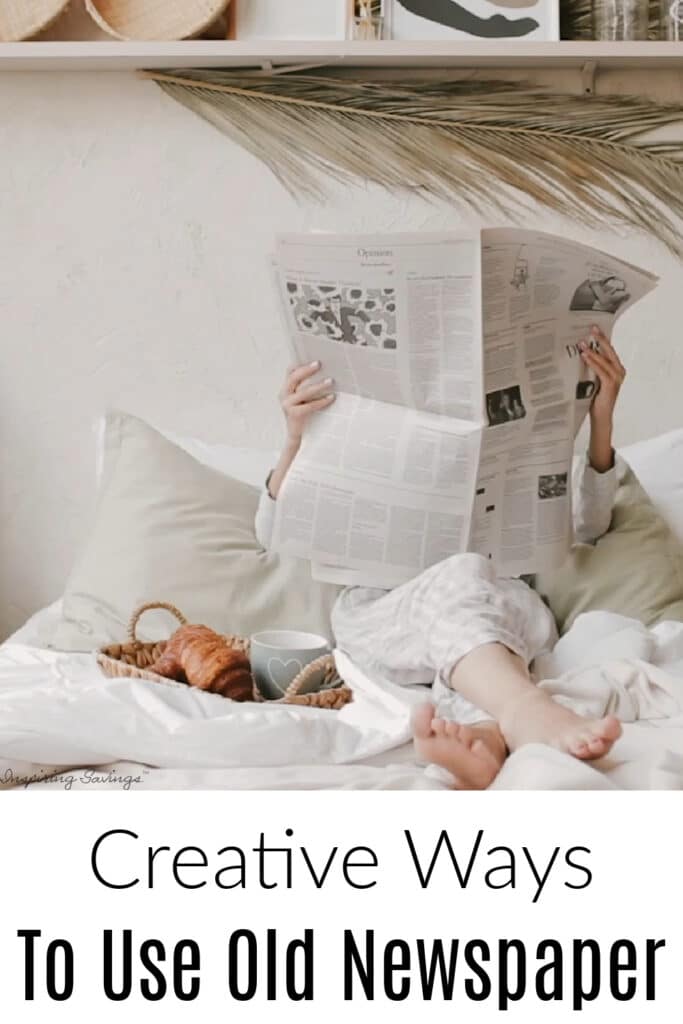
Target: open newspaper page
[
  {"x": 383, "y": 486},
  {"x": 379, "y": 490},
  {"x": 541, "y": 296},
  {"x": 394, "y": 318}
]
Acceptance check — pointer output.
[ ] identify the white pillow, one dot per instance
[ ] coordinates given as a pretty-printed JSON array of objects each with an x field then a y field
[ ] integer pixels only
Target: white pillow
[
  {"x": 658, "y": 464},
  {"x": 248, "y": 465},
  {"x": 172, "y": 529}
]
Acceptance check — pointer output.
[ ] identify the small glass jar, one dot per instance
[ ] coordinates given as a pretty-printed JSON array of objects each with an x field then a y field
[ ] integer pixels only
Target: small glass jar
[
  {"x": 671, "y": 20},
  {"x": 370, "y": 28},
  {"x": 369, "y": 20},
  {"x": 621, "y": 19}
]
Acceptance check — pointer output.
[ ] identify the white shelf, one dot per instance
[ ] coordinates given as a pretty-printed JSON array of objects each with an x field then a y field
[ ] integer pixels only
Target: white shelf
[{"x": 120, "y": 56}]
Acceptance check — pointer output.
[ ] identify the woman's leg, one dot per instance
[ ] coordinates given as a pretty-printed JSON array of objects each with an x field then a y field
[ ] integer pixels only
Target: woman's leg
[
  {"x": 398, "y": 635},
  {"x": 477, "y": 634},
  {"x": 423, "y": 628},
  {"x": 500, "y": 683}
]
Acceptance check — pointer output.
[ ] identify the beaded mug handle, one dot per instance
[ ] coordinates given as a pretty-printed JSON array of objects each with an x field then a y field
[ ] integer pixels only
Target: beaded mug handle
[{"x": 325, "y": 662}]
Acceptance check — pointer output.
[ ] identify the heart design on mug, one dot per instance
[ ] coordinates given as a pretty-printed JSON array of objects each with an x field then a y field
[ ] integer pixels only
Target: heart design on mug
[{"x": 280, "y": 672}]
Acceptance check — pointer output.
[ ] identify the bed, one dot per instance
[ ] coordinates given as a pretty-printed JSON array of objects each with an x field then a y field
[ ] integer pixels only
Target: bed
[{"x": 63, "y": 725}]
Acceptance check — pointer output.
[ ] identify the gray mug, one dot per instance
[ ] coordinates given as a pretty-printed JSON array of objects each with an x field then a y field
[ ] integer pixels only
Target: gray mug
[{"x": 278, "y": 655}]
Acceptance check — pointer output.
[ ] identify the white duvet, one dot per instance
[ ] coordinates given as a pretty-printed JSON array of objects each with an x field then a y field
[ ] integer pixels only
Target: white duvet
[{"x": 61, "y": 720}]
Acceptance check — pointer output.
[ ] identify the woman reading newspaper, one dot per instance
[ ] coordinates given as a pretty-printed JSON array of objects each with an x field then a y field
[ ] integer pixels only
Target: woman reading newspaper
[{"x": 458, "y": 623}]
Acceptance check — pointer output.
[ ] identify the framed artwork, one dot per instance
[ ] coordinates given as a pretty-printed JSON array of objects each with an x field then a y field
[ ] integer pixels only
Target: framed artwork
[
  {"x": 474, "y": 19},
  {"x": 290, "y": 19}
]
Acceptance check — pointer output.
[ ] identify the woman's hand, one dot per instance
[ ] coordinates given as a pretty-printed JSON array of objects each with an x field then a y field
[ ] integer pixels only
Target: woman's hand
[
  {"x": 300, "y": 399},
  {"x": 611, "y": 375}
]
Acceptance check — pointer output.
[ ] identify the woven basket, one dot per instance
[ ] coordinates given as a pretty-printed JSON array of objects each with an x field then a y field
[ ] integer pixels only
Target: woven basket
[
  {"x": 22, "y": 19},
  {"x": 133, "y": 658},
  {"x": 155, "y": 19}
]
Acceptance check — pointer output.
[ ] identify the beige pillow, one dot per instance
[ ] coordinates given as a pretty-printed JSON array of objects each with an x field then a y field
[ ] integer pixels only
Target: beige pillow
[
  {"x": 636, "y": 569},
  {"x": 169, "y": 528}
]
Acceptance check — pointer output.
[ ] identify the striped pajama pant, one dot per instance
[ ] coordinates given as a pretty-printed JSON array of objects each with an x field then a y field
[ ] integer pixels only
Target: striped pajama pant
[{"x": 419, "y": 631}]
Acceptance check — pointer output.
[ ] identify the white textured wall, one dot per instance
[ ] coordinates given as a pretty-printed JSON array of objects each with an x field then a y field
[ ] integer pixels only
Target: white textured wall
[{"x": 133, "y": 272}]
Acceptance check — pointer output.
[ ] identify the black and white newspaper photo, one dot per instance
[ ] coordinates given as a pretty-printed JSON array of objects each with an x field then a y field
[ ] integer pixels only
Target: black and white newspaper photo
[{"x": 394, "y": 318}]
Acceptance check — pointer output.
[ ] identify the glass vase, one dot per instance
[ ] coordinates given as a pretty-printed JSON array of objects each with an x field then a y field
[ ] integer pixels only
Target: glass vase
[
  {"x": 369, "y": 29},
  {"x": 619, "y": 20},
  {"x": 671, "y": 20}
]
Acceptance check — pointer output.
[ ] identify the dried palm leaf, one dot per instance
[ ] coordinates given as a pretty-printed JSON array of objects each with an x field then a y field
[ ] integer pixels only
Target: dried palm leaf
[{"x": 586, "y": 158}]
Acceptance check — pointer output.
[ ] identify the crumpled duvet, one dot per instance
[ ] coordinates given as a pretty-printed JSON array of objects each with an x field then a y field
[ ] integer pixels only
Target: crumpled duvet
[{"x": 60, "y": 716}]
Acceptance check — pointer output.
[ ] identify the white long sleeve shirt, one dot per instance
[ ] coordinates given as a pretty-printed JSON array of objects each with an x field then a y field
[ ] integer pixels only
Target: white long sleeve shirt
[{"x": 592, "y": 502}]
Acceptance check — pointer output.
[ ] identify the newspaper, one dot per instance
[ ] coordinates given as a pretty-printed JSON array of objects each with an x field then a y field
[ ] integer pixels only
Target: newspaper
[{"x": 460, "y": 391}]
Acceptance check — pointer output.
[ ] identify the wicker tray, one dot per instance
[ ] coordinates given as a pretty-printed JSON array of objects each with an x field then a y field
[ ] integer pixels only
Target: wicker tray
[
  {"x": 155, "y": 19},
  {"x": 22, "y": 19},
  {"x": 133, "y": 658}
]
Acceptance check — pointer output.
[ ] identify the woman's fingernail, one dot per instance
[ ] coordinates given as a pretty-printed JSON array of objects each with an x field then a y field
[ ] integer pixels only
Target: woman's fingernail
[
  {"x": 315, "y": 364},
  {"x": 328, "y": 380}
]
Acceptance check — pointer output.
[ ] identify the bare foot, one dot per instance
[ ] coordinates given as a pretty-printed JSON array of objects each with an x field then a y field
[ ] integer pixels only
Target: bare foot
[
  {"x": 537, "y": 718},
  {"x": 473, "y": 754}
]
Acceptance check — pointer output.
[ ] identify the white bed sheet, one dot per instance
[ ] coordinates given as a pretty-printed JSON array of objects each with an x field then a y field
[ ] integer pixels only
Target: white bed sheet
[
  {"x": 59, "y": 717},
  {"x": 47, "y": 699},
  {"x": 395, "y": 769}
]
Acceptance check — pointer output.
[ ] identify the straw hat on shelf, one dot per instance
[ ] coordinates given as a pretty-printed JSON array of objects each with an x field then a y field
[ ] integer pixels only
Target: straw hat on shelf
[{"x": 155, "y": 19}]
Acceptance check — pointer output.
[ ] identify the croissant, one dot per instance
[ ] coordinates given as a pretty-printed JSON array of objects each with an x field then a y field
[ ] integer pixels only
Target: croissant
[{"x": 202, "y": 658}]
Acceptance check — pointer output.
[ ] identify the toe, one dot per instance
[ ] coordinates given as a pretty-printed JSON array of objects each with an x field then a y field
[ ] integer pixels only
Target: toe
[
  {"x": 611, "y": 728},
  {"x": 459, "y": 761},
  {"x": 453, "y": 730},
  {"x": 422, "y": 721},
  {"x": 467, "y": 735},
  {"x": 578, "y": 747},
  {"x": 439, "y": 726}
]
